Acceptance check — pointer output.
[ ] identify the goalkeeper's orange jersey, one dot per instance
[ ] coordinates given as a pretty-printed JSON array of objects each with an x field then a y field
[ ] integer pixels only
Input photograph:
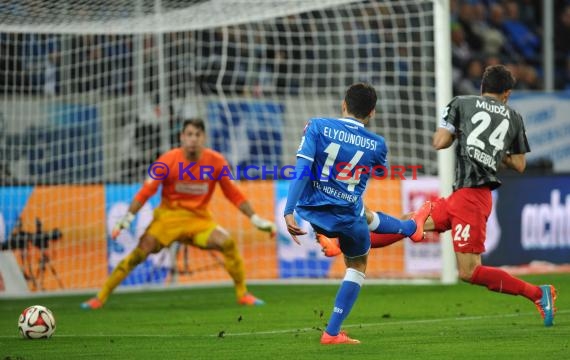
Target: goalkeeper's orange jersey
[{"x": 190, "y": 185}]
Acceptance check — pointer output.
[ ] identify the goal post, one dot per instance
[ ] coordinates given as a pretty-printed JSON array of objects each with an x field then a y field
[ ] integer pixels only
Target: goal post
[
  {"x": 445, "y": 158},
  {"x": 92, "y": 92}
]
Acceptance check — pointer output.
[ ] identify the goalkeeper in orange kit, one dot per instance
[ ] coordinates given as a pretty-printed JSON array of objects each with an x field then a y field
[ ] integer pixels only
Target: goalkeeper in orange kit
[{"x": 183, "y": 213}]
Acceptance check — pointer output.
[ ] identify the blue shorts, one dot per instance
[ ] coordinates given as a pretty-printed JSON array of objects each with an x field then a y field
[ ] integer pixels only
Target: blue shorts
[
  {"x": 354, "y": 241},
  {"x": 354, "y": 237},
  {"x": 352, "y": 231}
]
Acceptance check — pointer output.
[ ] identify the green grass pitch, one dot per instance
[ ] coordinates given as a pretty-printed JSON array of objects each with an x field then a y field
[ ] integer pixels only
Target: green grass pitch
[{"x": 392, "y": 321}]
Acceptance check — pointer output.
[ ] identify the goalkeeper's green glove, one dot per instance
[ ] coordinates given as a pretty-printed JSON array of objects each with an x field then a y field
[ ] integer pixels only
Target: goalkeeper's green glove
[
  {"x": 263, "y": 224},
  {"x": 124, "y": 223}
]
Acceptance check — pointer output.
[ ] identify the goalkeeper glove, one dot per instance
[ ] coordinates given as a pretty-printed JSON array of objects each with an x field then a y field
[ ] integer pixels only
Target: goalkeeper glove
[
  {"x": 263, "y": 224},
  {"x": 124, "y": 223}
]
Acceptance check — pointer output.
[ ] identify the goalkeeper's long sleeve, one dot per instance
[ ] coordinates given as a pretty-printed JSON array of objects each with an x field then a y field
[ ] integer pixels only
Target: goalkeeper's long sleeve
[{"x": 297, "y": 185}]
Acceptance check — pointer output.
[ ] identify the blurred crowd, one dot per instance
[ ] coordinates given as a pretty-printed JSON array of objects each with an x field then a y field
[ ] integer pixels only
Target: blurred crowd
[
  {"x": 483, "y": 32},
  {"x": 486, "y": 32}
]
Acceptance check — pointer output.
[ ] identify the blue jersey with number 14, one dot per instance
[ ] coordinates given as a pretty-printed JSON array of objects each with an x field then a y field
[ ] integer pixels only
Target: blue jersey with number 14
[{"x": 344, "y": 153}]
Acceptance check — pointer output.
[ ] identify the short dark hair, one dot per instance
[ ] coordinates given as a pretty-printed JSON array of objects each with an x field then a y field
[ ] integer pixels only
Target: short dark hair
[
  {"x": 497, "y": 79},
  {"x": 196, "y": 122},
  {"x": 360, "y": 99}
]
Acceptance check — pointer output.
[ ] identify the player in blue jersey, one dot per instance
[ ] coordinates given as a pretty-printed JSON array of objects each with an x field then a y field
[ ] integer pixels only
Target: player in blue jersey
[{"x": 334, "y": 162}]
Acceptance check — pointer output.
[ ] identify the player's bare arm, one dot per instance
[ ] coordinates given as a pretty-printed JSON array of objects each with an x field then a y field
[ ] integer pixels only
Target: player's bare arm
[
  {"x": 515, "y": 161},
  {"x": 135, "y": 206},
  {"x": 442, "y": 139},
  {"x": 246, "y": 209}
]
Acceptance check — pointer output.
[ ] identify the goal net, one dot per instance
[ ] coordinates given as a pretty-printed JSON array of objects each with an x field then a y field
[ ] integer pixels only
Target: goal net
[{"x": 91, "y": 92}]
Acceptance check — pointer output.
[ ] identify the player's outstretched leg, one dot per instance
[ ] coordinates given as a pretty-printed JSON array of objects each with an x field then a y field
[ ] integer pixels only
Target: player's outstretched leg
[
  {"x": 381, "y": 223},
  {"x": 386, "y": 234},
  {"x": 546, "y": 304},
  {"x": 498, "y": 280},
  {"x": 330, "y": 247},
  {"x": 383, "y": 240},
  {"x": 117, "y": 276}
]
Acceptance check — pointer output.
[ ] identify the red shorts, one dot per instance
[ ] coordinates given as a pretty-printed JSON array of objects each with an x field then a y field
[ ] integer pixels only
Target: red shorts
[{"x": 465, "y": 212}]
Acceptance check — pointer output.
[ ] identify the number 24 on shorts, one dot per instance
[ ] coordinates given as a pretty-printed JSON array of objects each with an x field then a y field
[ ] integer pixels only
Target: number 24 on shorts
[{"x": 461, "y": 233}]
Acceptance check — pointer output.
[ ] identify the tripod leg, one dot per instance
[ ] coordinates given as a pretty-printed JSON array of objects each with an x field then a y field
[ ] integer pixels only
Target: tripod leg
[
  {"x": 29, "y": 274},
  {"x": 217, "y": 259},
  {"x": 186, "y": 258},
  {"x": 217, "y": 263},
  {"x": 41, "y": 271},
  {"x": 47, "y": 263},
  {"x": 173, "y": 252},
  {"x": 59, "y": 282}
]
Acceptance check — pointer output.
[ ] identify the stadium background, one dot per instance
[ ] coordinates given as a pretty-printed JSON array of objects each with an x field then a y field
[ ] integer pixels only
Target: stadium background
[{"x": 83, "y": 114}]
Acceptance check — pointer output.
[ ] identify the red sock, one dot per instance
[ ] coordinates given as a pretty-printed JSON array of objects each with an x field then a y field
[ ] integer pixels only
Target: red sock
[
  {"x": 381, "y": 240},
  {"x": 500, "y": 281}
]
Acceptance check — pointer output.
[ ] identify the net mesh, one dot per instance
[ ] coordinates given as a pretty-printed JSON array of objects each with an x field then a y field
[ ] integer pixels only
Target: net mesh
[{"x": 92, "y": 92}]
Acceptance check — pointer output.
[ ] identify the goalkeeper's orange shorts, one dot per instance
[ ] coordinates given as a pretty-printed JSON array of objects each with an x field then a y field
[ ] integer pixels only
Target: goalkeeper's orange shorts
[{"x": 169, "y": 225}]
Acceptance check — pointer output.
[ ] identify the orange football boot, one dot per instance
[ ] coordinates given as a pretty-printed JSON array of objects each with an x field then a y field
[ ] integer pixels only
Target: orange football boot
[
  {"x": 341, "y": 338},
  {"x": 419, "y": 218},
  {"x": 329, "y": 245}
]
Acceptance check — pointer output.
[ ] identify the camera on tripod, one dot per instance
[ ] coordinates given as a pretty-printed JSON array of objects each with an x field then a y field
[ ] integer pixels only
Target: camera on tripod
[{"x": 19, "y": 238}]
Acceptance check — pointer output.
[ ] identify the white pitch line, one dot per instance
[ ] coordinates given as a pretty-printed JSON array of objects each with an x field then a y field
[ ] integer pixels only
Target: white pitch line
[
  {"x": 404, "y": 322},
  {"x": 292, "y": 331}
]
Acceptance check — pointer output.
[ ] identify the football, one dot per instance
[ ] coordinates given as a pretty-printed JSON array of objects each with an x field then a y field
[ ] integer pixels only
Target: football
[{"x": 36, "y": 322}]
